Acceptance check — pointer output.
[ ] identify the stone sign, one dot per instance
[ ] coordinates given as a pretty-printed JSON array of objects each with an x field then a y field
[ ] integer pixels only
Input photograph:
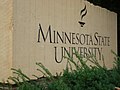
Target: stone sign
[{"x": 44, "y": 30}]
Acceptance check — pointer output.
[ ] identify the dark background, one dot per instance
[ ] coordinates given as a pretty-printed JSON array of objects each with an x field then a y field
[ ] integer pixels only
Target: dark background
[{"x": 112, "y": 5}]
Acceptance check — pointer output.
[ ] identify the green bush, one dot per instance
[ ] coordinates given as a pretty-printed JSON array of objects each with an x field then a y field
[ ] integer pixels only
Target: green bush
[{"x": 82, "y": 77}]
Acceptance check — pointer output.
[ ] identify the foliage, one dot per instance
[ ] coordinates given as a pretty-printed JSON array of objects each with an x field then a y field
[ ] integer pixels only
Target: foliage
[{"x": 77, "y": 76}]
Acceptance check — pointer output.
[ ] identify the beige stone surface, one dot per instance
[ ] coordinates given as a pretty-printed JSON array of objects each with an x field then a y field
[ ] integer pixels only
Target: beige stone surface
[
  {"x": 62, "y": 16},
  {"x": 6, "y": 30}
]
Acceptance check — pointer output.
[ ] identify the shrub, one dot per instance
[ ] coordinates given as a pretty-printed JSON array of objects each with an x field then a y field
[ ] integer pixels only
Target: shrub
[{"x": 82, "y": 77}]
